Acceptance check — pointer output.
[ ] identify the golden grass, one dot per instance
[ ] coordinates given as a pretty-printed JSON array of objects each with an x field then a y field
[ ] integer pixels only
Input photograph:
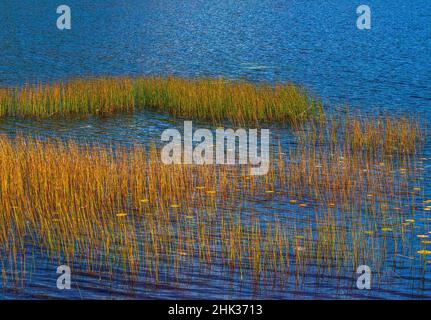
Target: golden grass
[
  {"x": 120, "y": 208},
  {"x": 214, "y": 100},
  {"x": 341, "y": 159}
]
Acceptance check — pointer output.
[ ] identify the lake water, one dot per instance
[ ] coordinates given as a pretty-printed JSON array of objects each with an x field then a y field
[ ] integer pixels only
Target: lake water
[{"x": 312, "y": 43}]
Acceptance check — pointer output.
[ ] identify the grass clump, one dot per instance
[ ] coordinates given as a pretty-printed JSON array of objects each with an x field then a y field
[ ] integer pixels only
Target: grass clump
[
  {"x": 119, "y": 210},
  {"x": 213, "y": 100}
]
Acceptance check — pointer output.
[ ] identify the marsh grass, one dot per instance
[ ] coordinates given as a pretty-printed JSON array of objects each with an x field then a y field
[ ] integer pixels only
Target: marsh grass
[
  {"x": 119, "y": 208},
  {"x": 213, "y": 100}
]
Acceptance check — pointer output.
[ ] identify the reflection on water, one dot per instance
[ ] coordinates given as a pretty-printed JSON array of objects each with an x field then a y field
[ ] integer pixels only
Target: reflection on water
[{"x": 144, "y": 127}]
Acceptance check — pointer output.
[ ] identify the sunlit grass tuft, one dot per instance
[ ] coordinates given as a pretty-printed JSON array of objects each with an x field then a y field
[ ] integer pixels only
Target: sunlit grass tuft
[{"x": 120, "y": 208}]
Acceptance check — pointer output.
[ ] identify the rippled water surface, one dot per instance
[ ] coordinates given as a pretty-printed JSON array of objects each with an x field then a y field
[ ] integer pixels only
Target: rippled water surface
[{"x": 312, "y": 43}]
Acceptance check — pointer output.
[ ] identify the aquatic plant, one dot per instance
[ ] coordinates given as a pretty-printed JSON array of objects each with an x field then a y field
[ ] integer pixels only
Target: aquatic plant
[
  {"x": 119, "y": 209},
  {"x": 213, "y": 100}
]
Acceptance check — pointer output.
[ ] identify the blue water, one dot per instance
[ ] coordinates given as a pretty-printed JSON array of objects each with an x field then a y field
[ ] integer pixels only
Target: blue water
[{"x": 312, "y": 43}]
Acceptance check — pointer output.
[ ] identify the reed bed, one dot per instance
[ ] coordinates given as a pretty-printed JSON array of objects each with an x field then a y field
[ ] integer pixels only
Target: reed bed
[
  {"x": 119, "y": 209},
  {"x": 213, "y": 100}
]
